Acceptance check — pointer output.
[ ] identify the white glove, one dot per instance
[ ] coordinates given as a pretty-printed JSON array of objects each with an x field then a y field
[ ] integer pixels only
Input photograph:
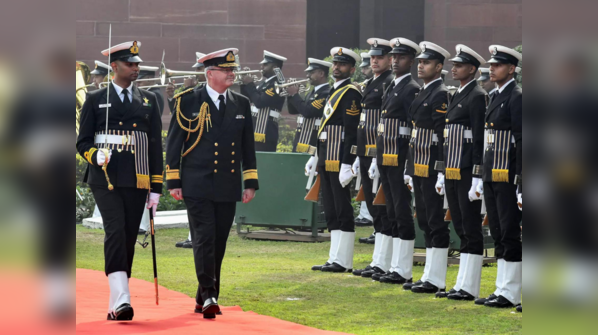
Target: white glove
[
  {"x": 152, "y": 203},
  {"x": 408, "y": 182},
  {"x": 519, "y": 199},
  {"x": 102, "y": 159},
  {"x": 373, "y": 171},
  {"x": 473, "y": 193},
  {"x": 355, "y": 167},
  {"x": 440, "y": 184},
  {"x": 346, "y": 175},
  {"x": 480, "y": 188},
  {"x": 310, "y": 166}
]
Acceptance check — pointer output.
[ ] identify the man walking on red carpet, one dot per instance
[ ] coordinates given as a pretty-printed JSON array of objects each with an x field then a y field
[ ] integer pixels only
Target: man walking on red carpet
[{"x": 210, "y": 140}]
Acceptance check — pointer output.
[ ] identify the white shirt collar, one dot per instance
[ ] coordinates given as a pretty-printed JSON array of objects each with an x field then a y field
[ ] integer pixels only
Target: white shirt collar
[
  {"x": 119, "y": 91},
  {"x": 267, "y": 80},
  {"x": 339, "y": 83},
  {"x": 398, "y": 80},
  {"x": 505, "y": 86},
  {"x": 319, "y": 86},
  {"x": 433, "y": 81},
  {"x": 463, "y": 87},
  {"x": 214, "y": 95}
]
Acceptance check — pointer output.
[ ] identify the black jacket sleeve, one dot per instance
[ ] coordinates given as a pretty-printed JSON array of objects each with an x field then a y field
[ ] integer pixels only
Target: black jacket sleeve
[
  {"x": 87, "y": 125},
  {"x": 262, "y": 99},
  {"x": 156, "y": 158},
  {"x": 250, "y": 176},
  {"x": 174, "y": 148},
  {"x": 350, "y": 106},
  {"x": 307, "y": 109},
  {"x": 517, "y": 128},
  {"x": 440, "y": 106}
]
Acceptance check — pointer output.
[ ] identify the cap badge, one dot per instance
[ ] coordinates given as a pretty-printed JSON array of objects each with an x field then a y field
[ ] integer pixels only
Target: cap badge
[
  {"x": 398, "y": 44},
  {"x": 340, "y": 51},
  {"x": 495, "y": 52},
  {"x": 424, "y": 48},
  {"x": 134, "y": 49},
  {"x": 96, "y": 66},
  {"x": 375, "y": 43},
  {"x": 460, "y": 51},
  {"x": 230, "y": 57}
]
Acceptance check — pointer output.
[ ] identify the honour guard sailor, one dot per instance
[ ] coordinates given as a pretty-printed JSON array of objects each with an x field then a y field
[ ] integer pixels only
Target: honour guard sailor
[
  {"x": 310, "y": 109},
  {"x": 365, "y": 150},
  {"x": 501, "y": 173},
  {"x": 98, "y": 75},
  {"x": 365, "y": 67},
  {"x": 210, "y": 157},
  {"x": 268, "y": 103},
  {"x": 485, "y": 82},
  {"x": 428, "y": 113},
  {"x": 132, "y": 151},
  {"x": 336, "y": 137},
  {"x": 393, "y": 137},
  {"x": 463, "y": 150}
]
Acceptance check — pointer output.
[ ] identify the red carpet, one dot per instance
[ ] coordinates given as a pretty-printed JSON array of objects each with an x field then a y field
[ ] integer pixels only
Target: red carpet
[{"x": 173, "y": 316}]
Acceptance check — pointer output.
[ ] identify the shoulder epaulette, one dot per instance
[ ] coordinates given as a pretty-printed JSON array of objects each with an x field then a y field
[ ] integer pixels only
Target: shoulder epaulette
[{"x": 183, "y": 93}]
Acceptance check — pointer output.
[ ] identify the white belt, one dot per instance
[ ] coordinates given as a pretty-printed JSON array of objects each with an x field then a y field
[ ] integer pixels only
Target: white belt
[
  {"x": 275, "y": 114},
  {"x": 404, "y": 131},
  {"x": 434, "y": 136},
  {"x": 115, "y": 139},
  {"x": 300, "y": 119},
  {"x": 467, "y": 134},
  {"x": 491, "y": 139},
  {"x": 324, "y": 135},
  {"x": 254, "y": 110}
]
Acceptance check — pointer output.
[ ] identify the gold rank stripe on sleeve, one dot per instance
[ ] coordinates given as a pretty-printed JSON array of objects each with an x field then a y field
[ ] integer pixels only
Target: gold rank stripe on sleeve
[
  {"x": 157, "y": 179},
  {"x": 270, "y": 92},
  {"x": 89, "y": 155},
  {"x": 249, "y": 175},
  {"x": 319, "y": 104},
  {"x": 172, "y": 174},
  {"x": 443, "y": 109},
  {"x": 354, "y": 111}
]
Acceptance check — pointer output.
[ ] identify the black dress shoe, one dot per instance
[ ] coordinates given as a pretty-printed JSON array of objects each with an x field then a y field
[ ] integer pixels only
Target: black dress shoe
[
  {"x": 123, "y": 312},
  {"x": 482, "y": 301},
  {"x": 368, "y": 240},
  {"x": 519, "y": 308},
  {"x": 461, "y": 295},
  {"x": 181, "y": 243},
  {"x": 199, "y": 309},
  {"x": 319, "y": 267},
  {"x": 364, "y": 223},
  {"x": 407, "y": 286},
  {"x": 359, "y": 272},
  {"x": 210, "y": 309},
  {"x": 445, "y": 294},
  {"x": 394, "y": 278},
  {"x": 426, "y": 288},
  {"x": 373, "y": 271},
  {"x": 500, "y": 302},
  {"x": 378, "y": 276},
  {"x": 335, "y": 268}
]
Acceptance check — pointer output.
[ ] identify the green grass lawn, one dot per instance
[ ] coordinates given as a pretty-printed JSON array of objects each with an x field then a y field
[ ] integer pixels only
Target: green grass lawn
[{"x": 274, "y": 278}]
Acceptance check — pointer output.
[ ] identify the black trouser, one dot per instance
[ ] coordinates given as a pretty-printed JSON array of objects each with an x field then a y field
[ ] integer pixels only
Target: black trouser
[
  {"x": 398, "y": 201},
  {"x": 210, "y": 223},
  {"x": 467, "y": 219},
  {"x": 429, "y": 207},
  {"x": 122, "y": 210},
  {"x": 337, "y": 202},
  {"x": 504, "y": 218},
  {"x": 381, "y": 222}
]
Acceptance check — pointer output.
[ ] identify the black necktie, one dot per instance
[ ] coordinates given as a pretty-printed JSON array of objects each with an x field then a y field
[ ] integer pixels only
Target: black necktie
[
  {"x": 126, "y": 100},
  {"x": 219, "y": 116}
]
